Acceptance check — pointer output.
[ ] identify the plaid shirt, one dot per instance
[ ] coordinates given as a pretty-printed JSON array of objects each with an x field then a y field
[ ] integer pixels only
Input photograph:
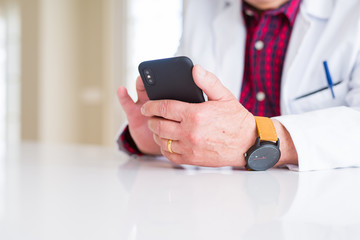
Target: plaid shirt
[
  {"x": 267, "y": 39},
  {"x": 128, "y": 142}
]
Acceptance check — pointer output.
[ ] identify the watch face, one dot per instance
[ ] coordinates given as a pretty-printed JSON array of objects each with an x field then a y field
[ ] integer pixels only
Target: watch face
[{"x": 264, "y": 157}]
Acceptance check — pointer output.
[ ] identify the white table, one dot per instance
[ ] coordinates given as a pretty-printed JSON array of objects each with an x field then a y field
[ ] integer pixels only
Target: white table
[{"x": 89, "y": 192}]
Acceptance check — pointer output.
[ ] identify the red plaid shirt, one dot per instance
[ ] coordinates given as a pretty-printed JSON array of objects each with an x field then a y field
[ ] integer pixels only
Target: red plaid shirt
[
  {"x": 267, "y": 39},
  {"x": 128, "y": 142}
]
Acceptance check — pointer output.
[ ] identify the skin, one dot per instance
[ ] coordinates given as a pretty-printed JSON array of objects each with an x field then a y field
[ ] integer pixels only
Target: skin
[
  {"x": 263, "y": 5},
  {"x": 215, "y": 133}
]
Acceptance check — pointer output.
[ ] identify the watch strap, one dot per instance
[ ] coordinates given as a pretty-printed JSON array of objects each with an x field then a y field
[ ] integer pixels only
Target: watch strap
[{"x": 266, "y": 129}]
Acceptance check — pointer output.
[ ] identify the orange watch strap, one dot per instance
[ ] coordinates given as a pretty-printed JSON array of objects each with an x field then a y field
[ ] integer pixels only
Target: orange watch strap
[{"x": 266, "y": 129}]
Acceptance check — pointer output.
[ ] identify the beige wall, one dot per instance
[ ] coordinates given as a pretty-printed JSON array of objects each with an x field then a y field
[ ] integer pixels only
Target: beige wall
[
  {"x": 71, "y": 66},
  {"x": 30, "y": 69}
]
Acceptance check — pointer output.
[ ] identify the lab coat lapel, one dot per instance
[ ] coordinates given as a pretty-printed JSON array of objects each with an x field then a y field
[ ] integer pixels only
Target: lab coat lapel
[
  {"x": 298, "y": 50},
  {"x": 229, "y": 46}
]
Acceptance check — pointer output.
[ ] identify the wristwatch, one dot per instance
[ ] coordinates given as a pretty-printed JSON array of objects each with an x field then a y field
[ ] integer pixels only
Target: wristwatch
[{"x": 266, "y": 152}]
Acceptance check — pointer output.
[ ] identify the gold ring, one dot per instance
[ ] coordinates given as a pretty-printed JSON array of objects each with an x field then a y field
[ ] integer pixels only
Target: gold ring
[{"x": 169, "y": 146}]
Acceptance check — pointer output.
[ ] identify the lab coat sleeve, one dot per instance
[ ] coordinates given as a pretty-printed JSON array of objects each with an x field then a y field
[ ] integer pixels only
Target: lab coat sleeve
[{"x": 328, "y": 138}]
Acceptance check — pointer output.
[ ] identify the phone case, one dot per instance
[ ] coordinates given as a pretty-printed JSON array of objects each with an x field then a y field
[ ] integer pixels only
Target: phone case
[{"x": 170, "y": 78}]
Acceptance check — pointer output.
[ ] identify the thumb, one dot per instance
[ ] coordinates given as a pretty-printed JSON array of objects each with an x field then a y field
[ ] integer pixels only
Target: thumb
[
  {"x": 125, "y": 100},
  {"x": 211, "y": 85},
  {"x": 140, "y": 90}
]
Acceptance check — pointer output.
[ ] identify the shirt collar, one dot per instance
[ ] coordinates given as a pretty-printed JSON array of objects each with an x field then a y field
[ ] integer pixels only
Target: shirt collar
[{"x": 288, "y": 9}]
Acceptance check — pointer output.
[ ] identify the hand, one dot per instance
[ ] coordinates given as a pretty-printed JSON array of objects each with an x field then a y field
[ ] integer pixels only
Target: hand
[
  {"x": 214, "y": 133},
  {"x": 138, "y": 124}
]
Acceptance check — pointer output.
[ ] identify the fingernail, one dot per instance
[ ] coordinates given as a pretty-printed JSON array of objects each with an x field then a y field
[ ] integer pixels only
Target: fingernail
[{"x": 142, "y": 110}]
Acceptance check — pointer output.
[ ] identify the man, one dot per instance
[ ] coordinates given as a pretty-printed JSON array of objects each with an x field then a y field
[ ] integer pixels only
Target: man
[{"x": 270, "y": 55}]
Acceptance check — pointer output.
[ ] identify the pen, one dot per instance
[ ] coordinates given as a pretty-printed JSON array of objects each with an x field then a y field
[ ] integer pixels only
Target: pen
[{"x": 329, "y": 80}]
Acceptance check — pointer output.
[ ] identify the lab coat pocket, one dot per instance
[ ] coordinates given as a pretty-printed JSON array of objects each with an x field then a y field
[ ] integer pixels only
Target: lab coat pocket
[{"x": 321, "y": 98}]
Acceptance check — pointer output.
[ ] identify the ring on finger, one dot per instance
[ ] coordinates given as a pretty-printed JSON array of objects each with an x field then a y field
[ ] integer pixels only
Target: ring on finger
[{"x": 169, "y": 146}]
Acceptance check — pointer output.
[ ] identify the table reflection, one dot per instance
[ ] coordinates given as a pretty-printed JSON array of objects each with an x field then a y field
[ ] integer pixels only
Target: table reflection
[{"x": 202, "y": 202}]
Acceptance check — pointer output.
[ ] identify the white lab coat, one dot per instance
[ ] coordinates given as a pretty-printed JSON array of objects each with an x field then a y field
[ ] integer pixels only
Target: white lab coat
[{"x": 325, "y": 131}]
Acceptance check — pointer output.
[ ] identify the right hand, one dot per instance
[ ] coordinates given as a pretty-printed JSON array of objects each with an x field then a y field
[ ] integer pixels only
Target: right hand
[{"x": 138, "y": 123}]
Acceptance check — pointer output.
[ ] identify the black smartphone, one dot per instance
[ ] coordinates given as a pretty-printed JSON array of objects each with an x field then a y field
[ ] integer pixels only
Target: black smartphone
[{"x": 170, "y": 78}]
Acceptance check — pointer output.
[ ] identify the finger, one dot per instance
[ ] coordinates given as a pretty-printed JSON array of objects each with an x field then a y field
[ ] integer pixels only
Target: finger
[
  {"x": 211, "y": 85},
  {"x": 168, "y": 109},
  {"x": 163, "y": 144},
  {"x": 125, "y": 100},
  {"x": 173, "y": 157},
  {"x": 165, "y": 128},
  {"x": 140, "y": 90}
]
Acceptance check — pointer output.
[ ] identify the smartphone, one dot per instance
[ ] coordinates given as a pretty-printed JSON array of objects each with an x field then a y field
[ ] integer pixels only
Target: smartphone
[{"x": 170, "y": 78}]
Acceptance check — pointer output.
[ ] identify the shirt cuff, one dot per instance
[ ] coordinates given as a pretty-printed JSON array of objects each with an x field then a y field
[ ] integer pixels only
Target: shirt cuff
[{"x": 127, "y": 142}]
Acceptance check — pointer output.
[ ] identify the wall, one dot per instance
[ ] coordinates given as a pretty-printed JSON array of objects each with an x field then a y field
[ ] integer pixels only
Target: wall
[
  {"x": 71, "y": 67},
  {"x": 30, "y": 69}
]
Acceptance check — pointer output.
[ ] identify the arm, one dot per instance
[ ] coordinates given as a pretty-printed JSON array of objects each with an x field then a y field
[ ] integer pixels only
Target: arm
[
  {"x": 325, "y": 139},
  {"x": 287, "y": 147},
  {"x": 328, "y": 138}
]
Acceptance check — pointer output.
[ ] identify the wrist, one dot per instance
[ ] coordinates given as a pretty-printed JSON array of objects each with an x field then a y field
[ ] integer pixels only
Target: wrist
[
  {"x": 143, "y": 142},
  {"x": 251, "y": 132},
  {"x": 287, "y": 147}
]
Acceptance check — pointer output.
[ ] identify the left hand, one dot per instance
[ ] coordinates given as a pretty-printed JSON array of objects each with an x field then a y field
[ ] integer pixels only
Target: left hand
[{"x": 214, "y": 133}]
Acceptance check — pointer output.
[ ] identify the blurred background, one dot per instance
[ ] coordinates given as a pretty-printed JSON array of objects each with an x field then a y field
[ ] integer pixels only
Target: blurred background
[{"x": 61, "y": 62}]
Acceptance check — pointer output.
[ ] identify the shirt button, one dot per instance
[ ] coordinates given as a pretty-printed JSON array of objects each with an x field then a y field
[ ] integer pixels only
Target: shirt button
[
  {"x": 260, "y": 96},
  {"x": 249, "y": 12},
  {"x": 259, "y": 45}
]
